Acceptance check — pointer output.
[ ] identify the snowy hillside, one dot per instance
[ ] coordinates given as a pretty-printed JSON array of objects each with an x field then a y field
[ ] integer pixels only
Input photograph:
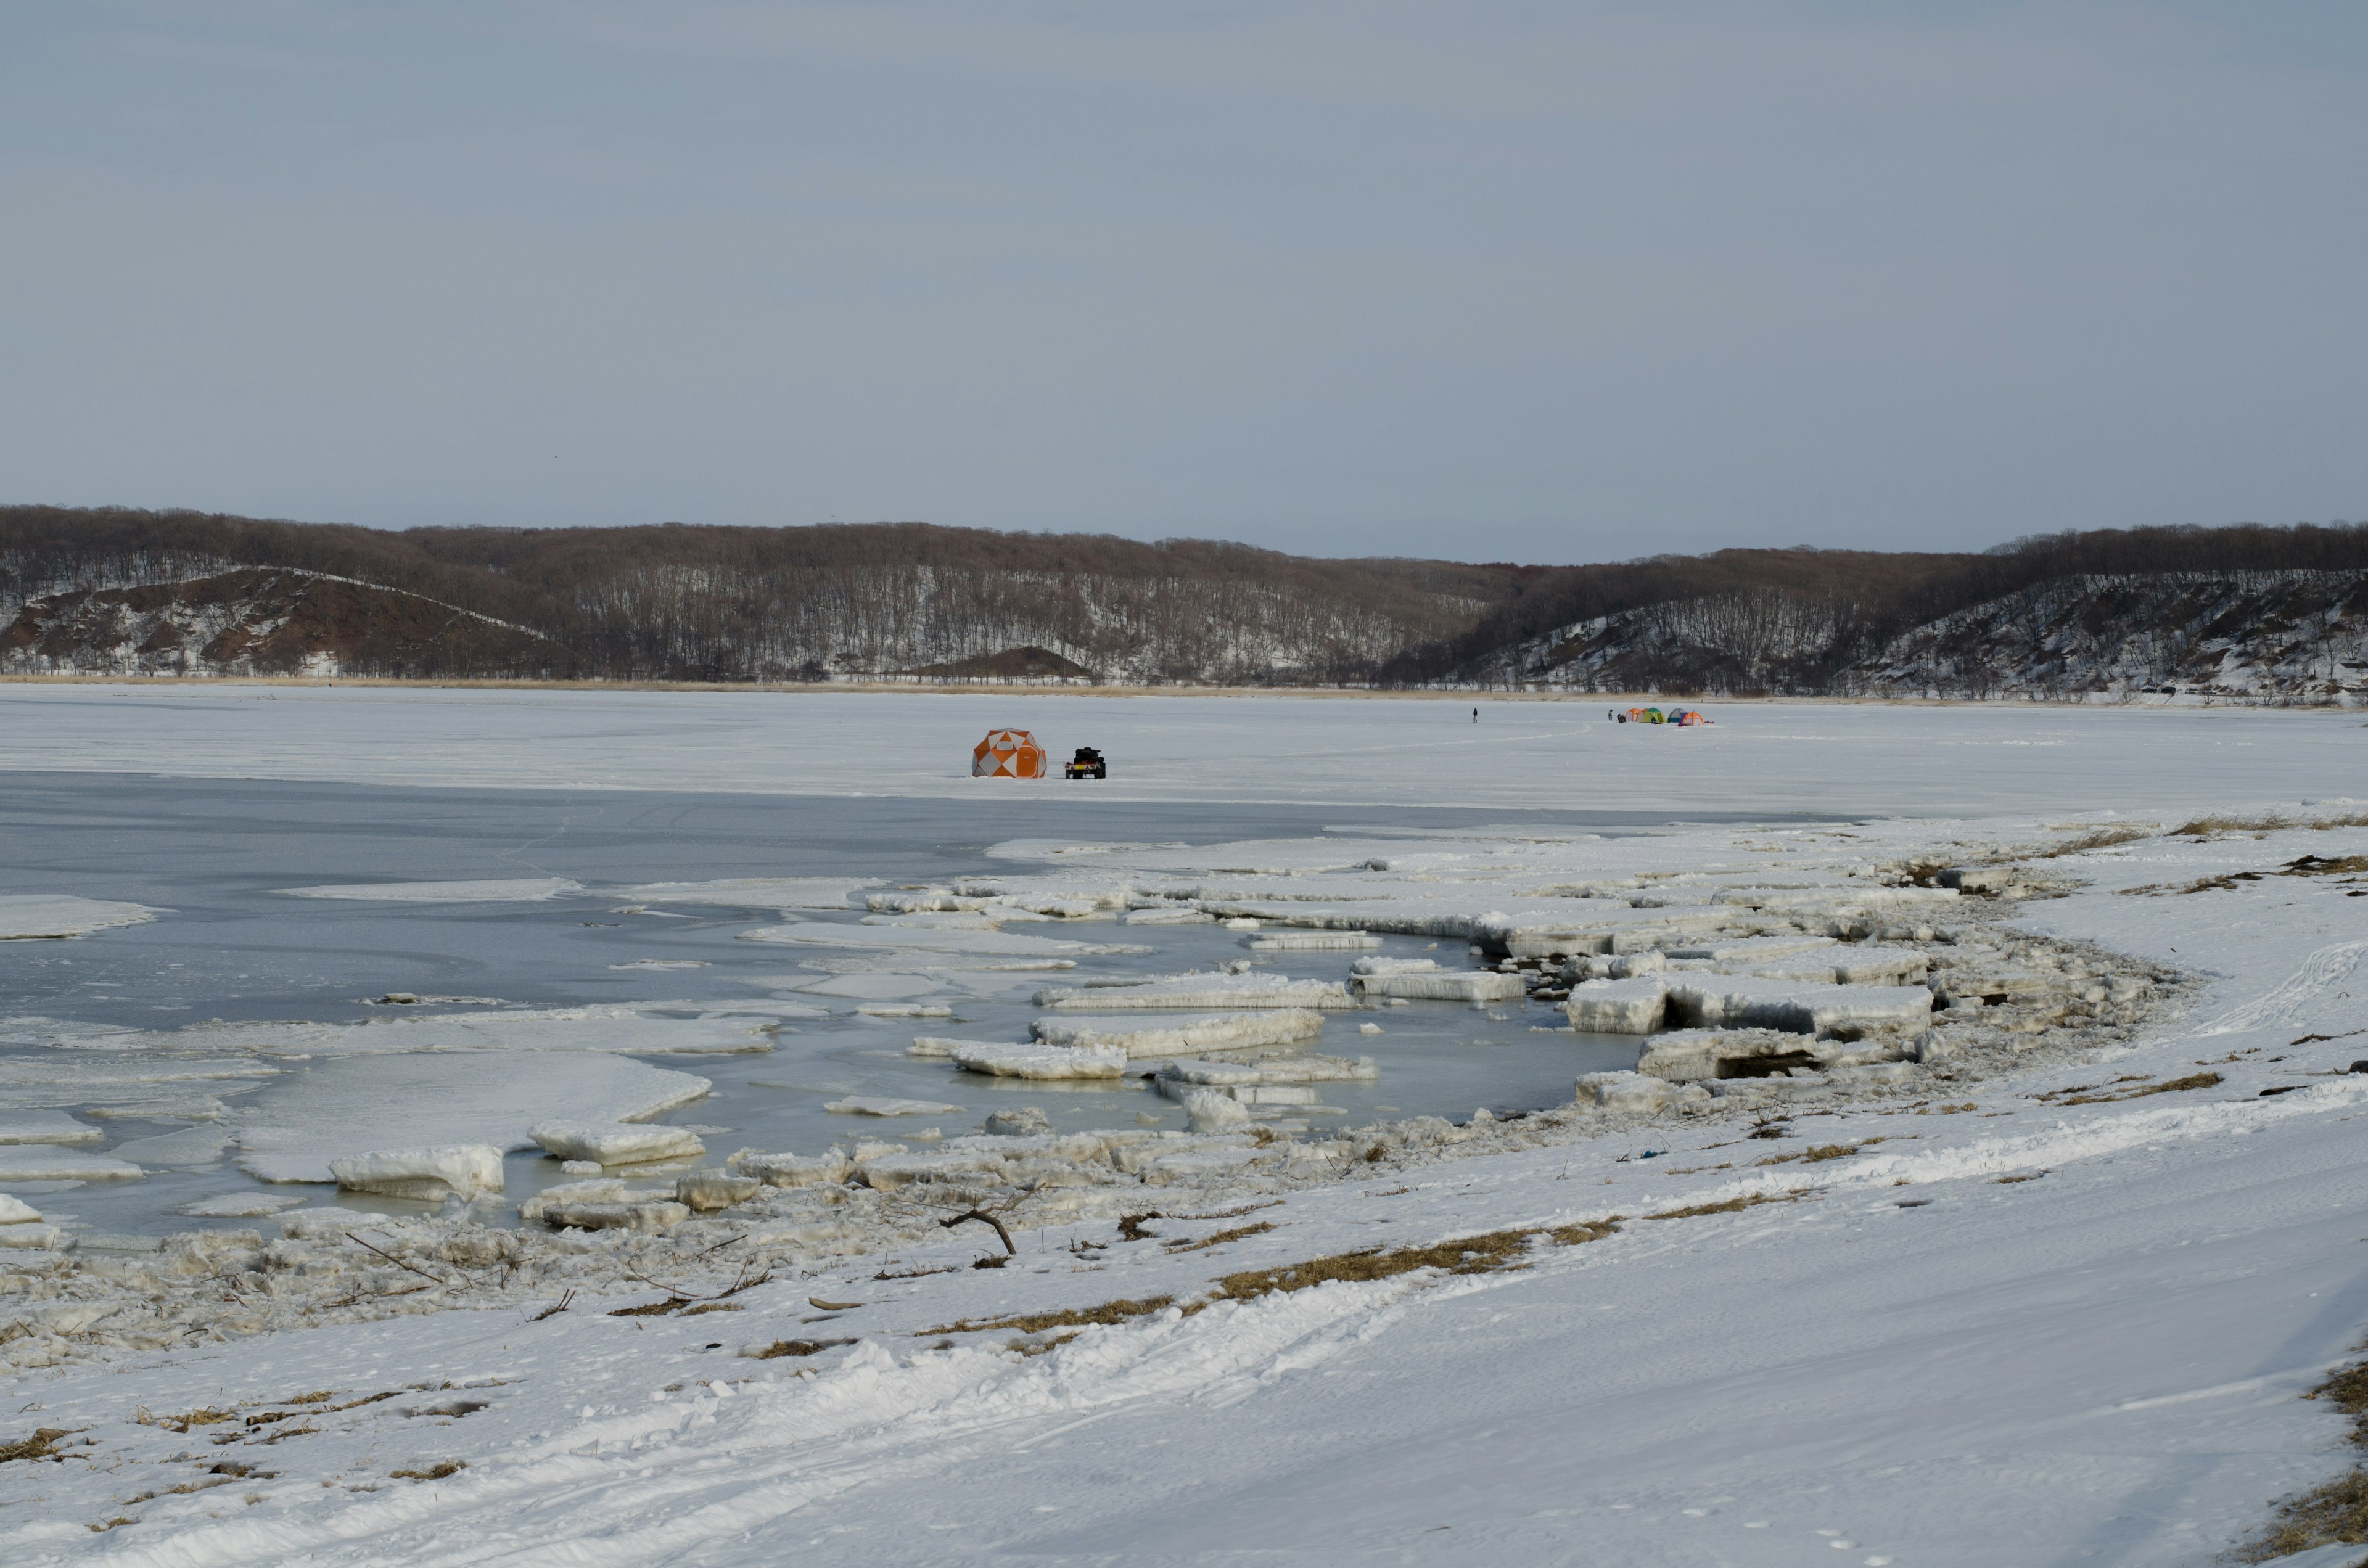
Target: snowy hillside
[
  {"x": 2298, "y": 637},
  {"x": 2293, "y": 636},
  {"x": 261, "y": 621}
]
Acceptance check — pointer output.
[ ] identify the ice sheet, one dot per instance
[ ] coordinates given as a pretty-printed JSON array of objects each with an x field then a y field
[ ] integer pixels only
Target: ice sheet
[
  {"x": 31, "y": 915},
  {"x": 513, "y": 890}
]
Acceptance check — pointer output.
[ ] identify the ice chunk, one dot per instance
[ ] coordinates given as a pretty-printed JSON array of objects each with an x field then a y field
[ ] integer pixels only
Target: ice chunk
[
  {"x": 1743, "y": 950},
  {"x": 880, "y": 1105},
  {"x": 45, "y": 1162},
  {"x": 616, "y": 1143},
  {"x": 17, "y": 1212},
  {"x": 1617, "y": 1006},
  {"x": 1184, "y": 1037},
  {"x": 432, "y": 1174},
  {"x": 1200, "y": 992},
  {"x": 707, "y": 1191},
  {"x": 1306, "y": 1069},
  {"x": 1310, "y": 941},
  {"x": 1695, "y": 1055},
  {"x": 1169, "y": 917},
  {"x": 512, "y": 889},
  {"x": 1212, "y": 1110},
  {"x": 1463, "y": 985},
  {"x": 1615, "y": 966},
  {"x": 904, "y": 1010},
  {"x": 658, "y": 1216},
  {"x": 1202, "y": 1164},
  {"x": 28, "y": 915},
  {"x": 1802, "y": 1007},
  {"x": 795, "y": 1170},
  {"x": 36, "y": 1238},
  {"x": 941, "y": 1046},
  {"x": 1623, "y": 1092},
  {"x": 609, "y": 1189},
  {"x": 1845, "y": 965},
  {"x": 46, "y": 1126},
  {"x": 1026, "y": 1121},
  {"x": 1394, "y": 966},
  {"x": 247, "y": 1205},
  {"x": 1038, "y": 1060},
  {"x": 372, "y": 1102}
]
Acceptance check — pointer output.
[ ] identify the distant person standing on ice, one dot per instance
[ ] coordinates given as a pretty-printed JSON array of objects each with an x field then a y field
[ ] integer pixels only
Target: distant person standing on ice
[{"x": 1476, "y": 715}]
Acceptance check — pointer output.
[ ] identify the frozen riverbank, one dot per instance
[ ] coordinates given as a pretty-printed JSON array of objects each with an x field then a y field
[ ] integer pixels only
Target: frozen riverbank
[{"x": 2035, "y": 1279}]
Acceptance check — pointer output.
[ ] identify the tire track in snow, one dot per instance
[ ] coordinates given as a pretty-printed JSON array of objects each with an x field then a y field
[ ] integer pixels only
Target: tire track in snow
[
  {"x": 2321, "y": 972},
  {"x": 784, "y": 1446}
]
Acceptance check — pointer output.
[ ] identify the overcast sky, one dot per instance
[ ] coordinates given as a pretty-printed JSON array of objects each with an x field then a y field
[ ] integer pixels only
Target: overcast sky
[{"x": 1492, "y": 281}]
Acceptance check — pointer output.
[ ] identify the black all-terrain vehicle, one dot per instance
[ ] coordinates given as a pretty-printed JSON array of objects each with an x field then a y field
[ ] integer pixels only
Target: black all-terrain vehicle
[{"x": 1087, "y": 764}]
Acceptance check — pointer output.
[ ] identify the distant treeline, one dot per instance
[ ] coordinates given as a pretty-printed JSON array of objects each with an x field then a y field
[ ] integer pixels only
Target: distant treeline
[
  {"x": 729, "y": 604},
  {"x": 724, "y": 604}
]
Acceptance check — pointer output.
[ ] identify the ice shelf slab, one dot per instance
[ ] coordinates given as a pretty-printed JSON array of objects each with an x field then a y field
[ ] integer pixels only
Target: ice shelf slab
[
  {"x": 747, "y": 892},
  {"x": 1310, "y": 941},
  {"x": 1040, "y": 1061},
  {"x": 248, "y": 1205},
  {"x": 1141, "y": 1038},
  {"x": 1617, "y": 1006},
  {"x": 883, "y": 1105},
  {"x": 430, "y": 1174},
  {"x": 1742, "y": 951},
  {"x": 45, "y": 1127},
  {"x": 1845, "y": 965},
  {"x": 1632, "y": 1093},
  {"x": 511, "y": 890},
  {"x": 1800, "y": 1006},
  {"x": 46, "y": 1162},
  {"x": 1466, "y": 985},
  {"x": 1198, "y": 993},
  {"x": 926, "y": 940},
  {"x": 614, "y": 1142},
  {"x": 355, "y": 1104},
  {"x": 1394, "y": 966},
  {"x": 1700, "y": 1055},
  {"x": 27, "y": 917}
]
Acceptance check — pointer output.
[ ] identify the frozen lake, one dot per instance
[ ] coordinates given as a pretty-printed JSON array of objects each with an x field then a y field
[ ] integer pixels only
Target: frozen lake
[
  {"x": 216, "y": 856},
  {"x": 209, "y": 803}
]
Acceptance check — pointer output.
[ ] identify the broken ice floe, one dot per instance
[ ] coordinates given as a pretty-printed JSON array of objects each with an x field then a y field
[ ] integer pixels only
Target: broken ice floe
[
  {"x": 25, "y": 916},
  {"x": 1444, "y": 985},
  {"x": 1039, "y": 1060},
  {"x": 1310, "y": 941},
  {"x": 512, "y": 889},
  {"x": 1803, "y": 1006},
  {"x": 45, "y": 1127},
  {"x": 615, "y": 1142},
  {"x": 927, "y": 939},
  {"x": 432, "y": 1174},
  {"x": 47, "y": 1161},
  {"x": 749, "y": 892},
  {"x": 354, "y": 1104},
  {"x": 1617, "y": 1006},
  {"x": 883, "y": 1105},
  {"x": 1200, "y": 992},
  {"x": 1141, "y": 1038},
  {"x": 248, "y": 1205},
  {"x": 21, "y": 1226}
]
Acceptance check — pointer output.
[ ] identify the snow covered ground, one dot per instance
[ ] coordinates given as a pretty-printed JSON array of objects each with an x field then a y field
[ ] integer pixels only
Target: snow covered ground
[{"x": 2048, "y": 1295}]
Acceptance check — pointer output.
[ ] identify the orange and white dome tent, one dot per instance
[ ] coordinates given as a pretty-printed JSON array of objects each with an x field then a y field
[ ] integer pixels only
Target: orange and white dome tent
[{"x": 1007, "y": 754}]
